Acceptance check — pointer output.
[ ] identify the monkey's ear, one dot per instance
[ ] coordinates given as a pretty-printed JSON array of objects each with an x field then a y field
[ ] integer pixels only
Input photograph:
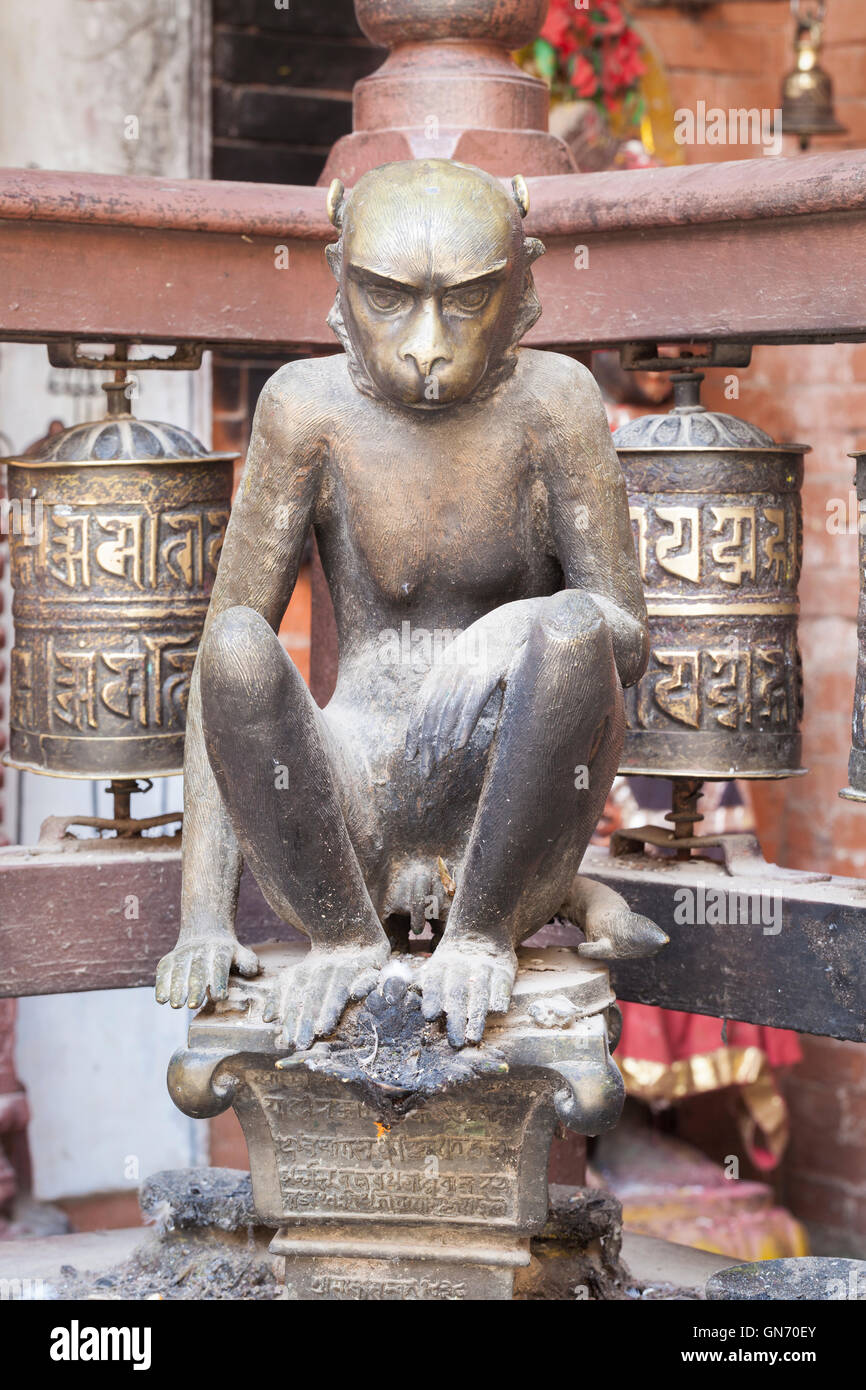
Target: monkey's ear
[
  {"x": 336, "y": 204},
  {"x": 520, "y": 193}
]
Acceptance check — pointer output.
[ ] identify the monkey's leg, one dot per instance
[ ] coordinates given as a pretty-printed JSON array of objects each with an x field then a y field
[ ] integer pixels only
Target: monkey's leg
[
  {"x": 550, "y": 768},
  {"x": 268, "y": 750}
]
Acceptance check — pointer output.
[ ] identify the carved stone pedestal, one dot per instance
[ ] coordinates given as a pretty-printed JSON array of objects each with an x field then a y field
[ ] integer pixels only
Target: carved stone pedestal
[{"x": 393, "y": 1166}]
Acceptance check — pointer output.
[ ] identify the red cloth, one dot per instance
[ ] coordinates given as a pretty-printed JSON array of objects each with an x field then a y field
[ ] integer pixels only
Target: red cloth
[{"x": 667, "y": 1035}]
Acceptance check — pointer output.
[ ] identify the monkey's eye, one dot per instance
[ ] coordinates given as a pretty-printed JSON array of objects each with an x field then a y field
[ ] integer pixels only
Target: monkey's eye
[
  {"x": 385, "y": 301},
  {"x": 467, "y": 299}
]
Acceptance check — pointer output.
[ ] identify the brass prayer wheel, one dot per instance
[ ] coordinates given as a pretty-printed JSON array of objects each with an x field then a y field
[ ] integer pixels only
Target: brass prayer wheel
[
  {"x": 856, "y": 790},
  {"x": 716, "y": 512},
  {"x": 116, "y": 527}
]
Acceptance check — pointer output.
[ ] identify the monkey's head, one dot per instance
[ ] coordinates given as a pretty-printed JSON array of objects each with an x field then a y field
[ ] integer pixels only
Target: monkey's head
[{"x": 435, "y": 280}]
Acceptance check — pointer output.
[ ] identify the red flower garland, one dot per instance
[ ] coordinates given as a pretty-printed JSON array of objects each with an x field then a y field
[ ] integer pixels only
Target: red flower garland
[{"x": 591, "y": 51}]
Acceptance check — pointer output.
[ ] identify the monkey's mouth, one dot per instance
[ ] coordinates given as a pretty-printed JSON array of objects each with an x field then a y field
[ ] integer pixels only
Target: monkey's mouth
[{"x": 435, "y": 391}]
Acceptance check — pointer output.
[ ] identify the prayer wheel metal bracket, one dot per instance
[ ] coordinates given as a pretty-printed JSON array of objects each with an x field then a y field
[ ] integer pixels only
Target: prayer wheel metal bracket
[
  {"x": 69, "y": 352},
  {"x": 741, "y": 852},
  {"x": 645, "y": 357},
  {"x": 56, "y": 830}
]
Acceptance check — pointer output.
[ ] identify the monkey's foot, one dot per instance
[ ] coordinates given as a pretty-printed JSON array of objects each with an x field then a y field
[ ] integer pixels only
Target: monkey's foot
[
  {"x": 199, "y": 967},
  {"x": 466, "y": 980},
  {"x": 309, "y": 998},
  {"x": 617, "y": 933}
]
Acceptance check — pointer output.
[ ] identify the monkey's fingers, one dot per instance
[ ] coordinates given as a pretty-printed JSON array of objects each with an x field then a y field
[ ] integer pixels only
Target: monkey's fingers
[
  {"x": 180, "y": 978},
  {"x": 277, "y": 1002},
  {"x": 431, "y": 991},
  {"x": 246, "y": 961},
  {"x": 333, "y": 992},
  {"x": 478, "y": 1002},
  {"x": 163, "y": 978},
  {"x": 456, "y": 1000},
  {"x": 470, "y": 712}
]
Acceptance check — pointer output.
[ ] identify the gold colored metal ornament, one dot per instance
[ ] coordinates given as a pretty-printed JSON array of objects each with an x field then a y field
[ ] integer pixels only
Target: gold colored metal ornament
[
  {"x": 715, "y": 507},
  {"x": 807, "y": 92},
  {"x": 115, "y": 531},
  {"x": 856, "y": 790}
]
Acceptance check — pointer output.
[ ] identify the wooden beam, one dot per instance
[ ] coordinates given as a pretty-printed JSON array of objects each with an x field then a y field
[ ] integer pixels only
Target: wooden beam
[
  {"x": 763, "y": 250},
  {"x": 759, "y": 250},
  {"x": 103, "y": 258},
  {"x": 798, "y": 961},
  {"x": 99, "y": 919},
  {"x": 69, "y": 923}
]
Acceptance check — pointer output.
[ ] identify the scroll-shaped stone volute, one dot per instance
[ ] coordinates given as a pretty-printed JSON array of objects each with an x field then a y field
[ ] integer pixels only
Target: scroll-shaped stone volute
[{"x": 194, "y": 1085}]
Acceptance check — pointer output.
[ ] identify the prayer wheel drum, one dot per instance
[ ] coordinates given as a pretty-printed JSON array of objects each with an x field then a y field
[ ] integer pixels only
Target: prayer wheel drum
[
  {"x": 856, "y": 789},
  {"x": 115, "y": 532},
  {"x": 716, "y": 512}
]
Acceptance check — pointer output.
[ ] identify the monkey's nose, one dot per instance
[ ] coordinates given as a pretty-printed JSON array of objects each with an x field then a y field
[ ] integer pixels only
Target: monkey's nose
[{"x": 426, "y": 364}]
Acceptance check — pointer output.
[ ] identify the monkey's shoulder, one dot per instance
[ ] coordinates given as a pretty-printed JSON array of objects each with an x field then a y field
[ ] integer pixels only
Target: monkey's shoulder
[
  {"x": 317, "y": 388},
  {"x": 554, "y": 380}
]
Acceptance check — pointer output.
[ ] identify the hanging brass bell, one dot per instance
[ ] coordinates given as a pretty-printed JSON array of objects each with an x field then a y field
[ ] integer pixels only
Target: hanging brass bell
[
  {"x": 115, "y": 531},
  {"x": 856, "y": 789},
  {"x": 716, "y": 511},
  {"x": 807, "y": 91}
]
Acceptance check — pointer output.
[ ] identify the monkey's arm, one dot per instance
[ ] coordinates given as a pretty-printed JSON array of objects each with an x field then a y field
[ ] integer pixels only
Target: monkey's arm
[
  {"x": 589, "y": 515},
  {"x": 258, "y": 569}
]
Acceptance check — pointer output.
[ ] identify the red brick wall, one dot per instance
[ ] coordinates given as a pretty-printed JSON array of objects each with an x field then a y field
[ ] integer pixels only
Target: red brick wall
[
  {"x": 4, "y": 829},
  {"x": 735, "y": 55},
  {"x": 825, "y": 1168}
]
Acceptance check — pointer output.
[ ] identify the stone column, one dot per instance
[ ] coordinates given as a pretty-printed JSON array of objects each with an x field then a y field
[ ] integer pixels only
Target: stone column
[{"x": 450, "y": 89}]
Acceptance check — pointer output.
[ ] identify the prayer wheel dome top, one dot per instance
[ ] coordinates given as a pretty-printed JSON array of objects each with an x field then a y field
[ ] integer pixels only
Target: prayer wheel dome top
[
  {"x": 691, "y": 426},
  {"x": 118, "y": 438},
  {"x": 511, "y": 23}
]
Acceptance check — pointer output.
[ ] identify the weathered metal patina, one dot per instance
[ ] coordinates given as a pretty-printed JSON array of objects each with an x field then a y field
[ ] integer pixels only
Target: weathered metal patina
[
  {"x": 715, "y": 506},
  {"x": 115, "y": 532},
  {"x": 856, "y": 789}
]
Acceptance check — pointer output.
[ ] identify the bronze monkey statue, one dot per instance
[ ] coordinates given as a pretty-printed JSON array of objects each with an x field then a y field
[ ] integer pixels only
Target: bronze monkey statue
[{"x": 473, "y": 525}]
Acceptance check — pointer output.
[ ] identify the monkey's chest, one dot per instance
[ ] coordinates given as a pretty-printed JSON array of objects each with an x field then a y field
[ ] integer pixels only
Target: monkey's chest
[{"x": 443, "y": 532}]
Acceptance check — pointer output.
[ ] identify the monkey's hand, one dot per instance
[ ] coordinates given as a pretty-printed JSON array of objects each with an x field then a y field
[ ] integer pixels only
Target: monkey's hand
[
  {"x": 199, "y": 967},
  {"x": 452, "y": 696}
]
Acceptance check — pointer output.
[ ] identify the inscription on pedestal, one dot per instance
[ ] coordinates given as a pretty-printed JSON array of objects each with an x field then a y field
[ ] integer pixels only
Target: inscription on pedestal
[
  {"x": 449, "y": 1160},
  {"x": 376, "y": 1282}
]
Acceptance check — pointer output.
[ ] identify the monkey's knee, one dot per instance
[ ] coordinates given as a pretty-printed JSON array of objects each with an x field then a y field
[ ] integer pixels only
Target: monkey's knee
[
  {"x": 575, "y": 632},
  {"x": 241, "y": 650},
  {"x": 576, "y": 663},
  {"x": 573, "y": 617}
]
